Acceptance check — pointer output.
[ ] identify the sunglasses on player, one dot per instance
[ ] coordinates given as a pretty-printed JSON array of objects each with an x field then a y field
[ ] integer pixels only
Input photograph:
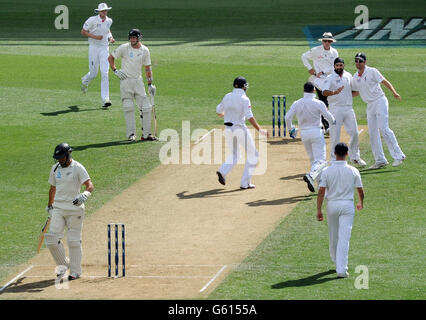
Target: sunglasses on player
[{"x": 358, "y": 61}]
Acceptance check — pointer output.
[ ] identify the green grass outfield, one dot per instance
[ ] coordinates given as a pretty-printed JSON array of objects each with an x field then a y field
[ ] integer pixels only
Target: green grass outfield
[{"x": 194, "y": 64}]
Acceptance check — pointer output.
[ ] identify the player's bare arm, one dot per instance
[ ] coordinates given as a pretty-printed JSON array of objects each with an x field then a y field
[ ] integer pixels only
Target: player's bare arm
[
  {"x": 254, "y": 123},
  {"x": 52, "y": 192},
  {"x": 87, "y": 34},
  {"x": 332, "y": 92},
  {"x": 89, "y": 185},
  {"x": 389, "y": 85},
  {"x": 110, "y": 37},
  {"x": 111, "y": 61},
  {"x": 320, "y": 200},
  {"x": 360, "y": 204},
  {"x": 222, "y": 114},
  {"x": 148, "y": 74}
]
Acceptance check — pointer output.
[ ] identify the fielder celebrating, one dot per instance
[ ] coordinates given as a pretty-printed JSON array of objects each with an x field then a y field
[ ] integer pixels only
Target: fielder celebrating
[
  {"x": 97, "y": 30},
  {"x": 340, "y": 180},
  {"x": 323, "y": 57},
  {"x": 308, "y": 111},
  {"x": 235, "y": 108},
  {"x": 338, "y": 88},
  {"x": 367, "y": 81},
  {"x": 134, "y": 54},
  {"x": 66, "y": 209}
]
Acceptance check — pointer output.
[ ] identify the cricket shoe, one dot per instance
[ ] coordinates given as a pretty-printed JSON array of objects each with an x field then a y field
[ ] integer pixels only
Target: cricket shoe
[
  {"x": 84, "y": 88},
  {"x": 149, "y": 138},
  {"x": 379, "y": 165},
  {"x": 73, "y": 276},
  {"x": 220, "y": 177},
  {"x": 397, "y": 162},
  {"x": 61, "y": 271},
  {"x": 343, "y": 275},
  {"x": 132, "y": 138},
  {"x": 107, "y": 104},
  {"x": 308, "y": 179},
  {"x": 359, "y": 162},
  {"x": 250, "y": 186}
]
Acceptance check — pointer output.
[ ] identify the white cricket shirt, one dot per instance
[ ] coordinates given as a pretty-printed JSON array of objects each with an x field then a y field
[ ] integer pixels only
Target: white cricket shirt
[
  {"x": 236, "y": 106},
  {"x": 97, "y": 27},
  {"x": 334, "y": 82},
  {"x": 368, "y": 84},
  {"x": 68, "y": 182},
  {"x": 323, "y": 60},
  {"x": 340, "y": 181},
  {"x": 132, "y": 59},
  {"x": 308, "y": 111}
]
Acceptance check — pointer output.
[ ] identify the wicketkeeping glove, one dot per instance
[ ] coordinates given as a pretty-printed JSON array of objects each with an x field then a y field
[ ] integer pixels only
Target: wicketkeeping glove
[
  {"x": 293, "y": 132},
  {"x": 152, "y": 89},
  {"x": 79, "y": 200},
  {"x": 120, "y": 74}
]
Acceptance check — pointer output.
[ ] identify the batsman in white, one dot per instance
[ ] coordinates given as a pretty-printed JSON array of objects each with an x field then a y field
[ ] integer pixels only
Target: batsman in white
[
  {"x": 134, "y": 55},
  {"x": 337, "y": 185},
  {"x": 235, "y": 108},
  {"x": 338, "y": 88},
  {"x": 97, "y": 30},
  {"x": 367, "y": 81},
  {"x": 309, "y": 111},
  {"x": 322, "y": 57},
  {"x": 66, "y": 209}
]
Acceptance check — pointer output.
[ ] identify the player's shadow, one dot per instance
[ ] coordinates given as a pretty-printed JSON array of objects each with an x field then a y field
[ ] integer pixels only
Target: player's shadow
[
  {"x": 296, "y": 176},
  {"x": 278, "y": 202},
  {"x": 206, "y": 194},
  {"x": 283, "y": 141},
  {"x": 305, "y": 282},
  {"x": 375, "y": 171},
  {"x": 38, "y": 286},
  {"x": 104, "y": 145},
  {"x": 68, "y": 110}
]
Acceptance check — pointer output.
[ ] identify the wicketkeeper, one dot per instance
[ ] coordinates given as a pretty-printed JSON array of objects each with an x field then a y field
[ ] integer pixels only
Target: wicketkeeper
[{"x": 134, "y": 54}]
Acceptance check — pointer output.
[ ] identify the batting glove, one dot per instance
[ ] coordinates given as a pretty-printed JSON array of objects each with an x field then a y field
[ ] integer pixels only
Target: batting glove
[
  {"x": 293, "y": 132},
  {"x": 152, "y": 89},
  {"x": 79, "y": 200},
  {"x": 120, "y": 74},
  {"x": 49, "y": 210}
]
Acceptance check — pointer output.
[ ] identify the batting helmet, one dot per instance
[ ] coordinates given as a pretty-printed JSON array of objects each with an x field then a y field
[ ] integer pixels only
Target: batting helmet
[
  {"x": 62, "y": 150},
  {"x": 240, "y": 82},
  {"x": 135, "y": 33}
]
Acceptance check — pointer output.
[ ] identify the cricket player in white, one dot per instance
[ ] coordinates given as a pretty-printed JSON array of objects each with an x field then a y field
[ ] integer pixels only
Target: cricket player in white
[
  {"x": 134, "y": 55},
  {"x": 308, "y": 111},
  {"x": 337, "y": 185},
  {"x": 66, "y": 209},
  {"x": 338, "y": 88},
  {"x": 367, "y": 81},
  {"x": 235, "y": 108},
  {"x": 97, "y": 30},
  {"x": 322, "y": 57}
]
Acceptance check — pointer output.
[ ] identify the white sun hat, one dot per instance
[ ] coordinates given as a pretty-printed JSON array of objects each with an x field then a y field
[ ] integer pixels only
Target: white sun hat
[{"x": 102, "y": 6}]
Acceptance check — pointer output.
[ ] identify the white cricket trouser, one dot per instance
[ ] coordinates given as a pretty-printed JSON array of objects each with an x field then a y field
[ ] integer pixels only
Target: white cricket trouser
[
  {"x": 344, "y": 116},
  {"x": 98, "y": 59},
  {"x": 73, "y": 222},
  {"x": 238, "y": 137},
  {"x": 313, "y": 140},
  {"x": 340, "y": 217},
  {"x": 134, "y": 90},
  {"x": 378, "y": 122}
]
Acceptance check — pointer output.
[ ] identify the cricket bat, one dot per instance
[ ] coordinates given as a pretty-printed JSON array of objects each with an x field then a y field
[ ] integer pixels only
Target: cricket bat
[
  {"x": 43, "y": 232},
  {"x": 155, "y": 116}
]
